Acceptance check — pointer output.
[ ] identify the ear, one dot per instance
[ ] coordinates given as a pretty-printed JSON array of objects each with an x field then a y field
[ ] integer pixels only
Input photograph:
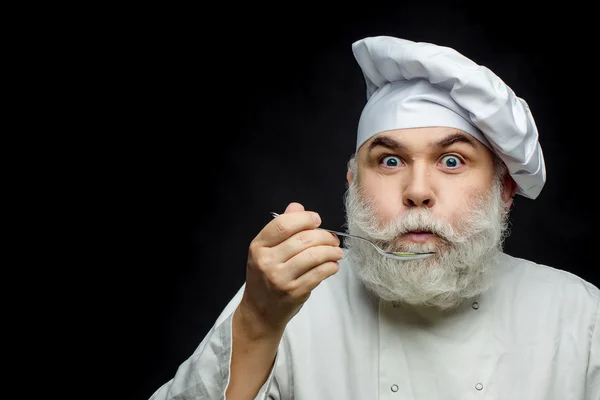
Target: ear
[
  {"x": 349, "y": 176},
  {"x": 509, "y": 189}
]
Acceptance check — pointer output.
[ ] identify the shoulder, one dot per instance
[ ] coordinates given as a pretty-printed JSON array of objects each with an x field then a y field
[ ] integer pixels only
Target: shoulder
[
  {"x": 537, "y": 273},
  {"x": 533, "y": 282}
]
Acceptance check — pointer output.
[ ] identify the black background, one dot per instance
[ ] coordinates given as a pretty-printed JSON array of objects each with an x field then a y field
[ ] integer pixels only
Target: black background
[{"x": 226, "y": 112}]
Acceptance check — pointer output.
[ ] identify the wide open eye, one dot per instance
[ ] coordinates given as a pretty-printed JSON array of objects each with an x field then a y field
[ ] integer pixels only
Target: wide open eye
[
  {"x": 451, "y": 162},
  {"x": 391, "y": 161}
]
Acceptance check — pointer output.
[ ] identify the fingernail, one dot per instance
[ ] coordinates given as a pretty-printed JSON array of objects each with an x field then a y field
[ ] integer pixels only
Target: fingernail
[
  {"x": 316, "y": 218},
  {"x": 336, "y": 236}
]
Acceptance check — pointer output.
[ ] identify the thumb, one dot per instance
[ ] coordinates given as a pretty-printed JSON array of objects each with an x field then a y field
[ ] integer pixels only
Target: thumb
[{"x": 294, "y": 207}]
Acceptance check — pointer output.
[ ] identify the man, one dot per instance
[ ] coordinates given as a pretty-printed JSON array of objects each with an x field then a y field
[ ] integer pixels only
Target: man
[{"x": 442, "y": 147}]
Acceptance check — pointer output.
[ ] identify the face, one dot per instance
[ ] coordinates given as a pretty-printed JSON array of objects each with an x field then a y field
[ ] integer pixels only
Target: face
[{"x": 427, "y": 189}]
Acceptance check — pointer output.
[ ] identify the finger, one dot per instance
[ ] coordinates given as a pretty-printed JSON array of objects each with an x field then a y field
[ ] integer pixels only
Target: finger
[
  {"x": 310, "y": 280},
  {"x": 310, "y": 258},
  {"x": 301, "y": 241},
  {"x": 285, "y": 225},
  {"x": 294, "y": 207}
]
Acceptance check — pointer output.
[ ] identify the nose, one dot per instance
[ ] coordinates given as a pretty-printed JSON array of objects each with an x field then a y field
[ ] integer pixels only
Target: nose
[{"x": 418, "y": 191}]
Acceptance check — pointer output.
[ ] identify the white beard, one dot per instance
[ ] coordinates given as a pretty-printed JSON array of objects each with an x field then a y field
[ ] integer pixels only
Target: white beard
[{"x": 461, "y": 268}]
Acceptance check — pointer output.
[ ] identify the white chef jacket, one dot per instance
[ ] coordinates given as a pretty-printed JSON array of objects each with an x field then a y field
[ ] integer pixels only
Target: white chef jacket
[{"x": 534, "y": 335}]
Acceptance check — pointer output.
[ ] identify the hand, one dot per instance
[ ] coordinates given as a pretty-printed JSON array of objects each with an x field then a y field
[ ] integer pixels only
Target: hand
[{"x": 286, "y": 261}]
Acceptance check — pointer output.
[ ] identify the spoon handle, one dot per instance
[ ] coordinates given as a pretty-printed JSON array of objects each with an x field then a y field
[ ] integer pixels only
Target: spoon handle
[{"x": 344, "y": 234}]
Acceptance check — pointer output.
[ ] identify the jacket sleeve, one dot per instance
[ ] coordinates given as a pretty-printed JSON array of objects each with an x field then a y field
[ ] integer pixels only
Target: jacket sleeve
[
  {"x": 205, "y": 374},
  {"x": 593, "y": 372}
]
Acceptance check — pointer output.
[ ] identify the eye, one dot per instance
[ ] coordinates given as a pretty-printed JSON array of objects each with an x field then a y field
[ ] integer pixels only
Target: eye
[
  {"x": 451, "y": 162},
  {"x": 391, "y": 161}
]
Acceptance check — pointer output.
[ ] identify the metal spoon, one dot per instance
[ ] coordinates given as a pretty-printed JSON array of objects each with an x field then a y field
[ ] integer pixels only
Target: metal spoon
[{"x": 396, "y": 255}]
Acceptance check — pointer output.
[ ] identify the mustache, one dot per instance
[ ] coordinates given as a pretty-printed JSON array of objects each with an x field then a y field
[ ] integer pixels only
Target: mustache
[
  {"x": 476, "y": 220},
  {"x": 418, "y": 221}
]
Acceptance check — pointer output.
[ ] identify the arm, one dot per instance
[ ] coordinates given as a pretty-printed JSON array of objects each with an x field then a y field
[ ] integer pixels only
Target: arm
[
  {"x": 236, "y": 359},
  {"x": 204, "y": 375},
  {"x": 593, "y": 373},
  {"x": 286, "y": 261},
  {"x": 253, "y": 355}
]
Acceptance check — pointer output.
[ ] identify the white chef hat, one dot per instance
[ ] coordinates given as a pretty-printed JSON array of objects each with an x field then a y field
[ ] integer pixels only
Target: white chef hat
[{"x": 412, "y": 84}]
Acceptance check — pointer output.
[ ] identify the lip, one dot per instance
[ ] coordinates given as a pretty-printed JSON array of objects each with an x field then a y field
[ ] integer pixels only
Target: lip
[{"x": 419, "y": 236}]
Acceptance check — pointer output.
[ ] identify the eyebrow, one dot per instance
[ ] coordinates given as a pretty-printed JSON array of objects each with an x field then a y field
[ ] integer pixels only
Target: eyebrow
[
  {"x": 386, "y": 141},
  {"x": 456, "y": 137},
  {"x": 390, "y": 143}
]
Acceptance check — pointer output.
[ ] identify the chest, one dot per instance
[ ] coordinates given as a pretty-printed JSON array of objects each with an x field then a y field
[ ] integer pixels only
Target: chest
[{"x": 394, "y": 354}]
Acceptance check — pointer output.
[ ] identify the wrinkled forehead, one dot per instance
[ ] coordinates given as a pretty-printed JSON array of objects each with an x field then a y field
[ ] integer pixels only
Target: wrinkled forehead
[{"x": 429, "y": 140}]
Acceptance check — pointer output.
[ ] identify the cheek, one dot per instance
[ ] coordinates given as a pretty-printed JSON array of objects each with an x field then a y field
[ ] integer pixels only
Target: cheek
[
  {"x": 454, "y": 198},
  {"x": 384, "y": 197},
  {"x": 454, "y": 205}
]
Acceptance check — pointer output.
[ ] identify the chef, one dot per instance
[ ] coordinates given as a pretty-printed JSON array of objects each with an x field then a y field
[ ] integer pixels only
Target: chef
[{"x": 443, "y": 146}]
